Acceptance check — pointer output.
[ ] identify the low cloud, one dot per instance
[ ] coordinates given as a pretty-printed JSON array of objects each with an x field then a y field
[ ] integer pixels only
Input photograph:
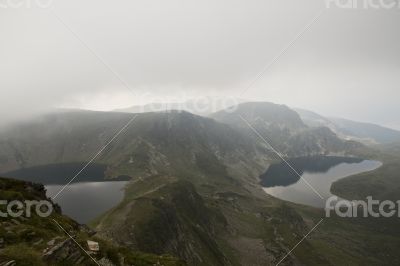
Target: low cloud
[{"x": 74, "y": 55}]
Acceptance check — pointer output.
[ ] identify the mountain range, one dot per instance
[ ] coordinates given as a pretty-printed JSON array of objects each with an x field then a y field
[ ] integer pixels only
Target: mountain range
[
  {"x": 367, "y": 133},
  {"x": 194, "y": 191},
  {"x": 363, "y": 132}
]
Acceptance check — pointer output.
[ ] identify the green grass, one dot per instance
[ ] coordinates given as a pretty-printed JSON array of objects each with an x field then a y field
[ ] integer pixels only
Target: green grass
[
  {"x": 382, "y": 183},
  {"x": 25, "y": 239}
]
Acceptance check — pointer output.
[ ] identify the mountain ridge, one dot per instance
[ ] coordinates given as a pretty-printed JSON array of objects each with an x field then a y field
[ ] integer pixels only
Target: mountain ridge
[
  {"x": 183, "y": 166},
  {"x": 283, "y": 129},
  {"x": 367, "y": 133}
]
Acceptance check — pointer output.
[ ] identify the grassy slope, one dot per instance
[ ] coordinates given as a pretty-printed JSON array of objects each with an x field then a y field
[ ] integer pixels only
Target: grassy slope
[
  {"x": 26, "y": 238},
  {"x": 382, "y": 184},
  {"x": 355, "y": 241},
  {"x": 254, "y": 230},
  {"x": 162, "y": 215},
  {"x": 375, "y": 240}
]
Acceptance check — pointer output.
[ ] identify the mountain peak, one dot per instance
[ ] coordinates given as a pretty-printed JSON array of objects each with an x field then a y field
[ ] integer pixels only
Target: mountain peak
[{"x": 275, "y": 115}]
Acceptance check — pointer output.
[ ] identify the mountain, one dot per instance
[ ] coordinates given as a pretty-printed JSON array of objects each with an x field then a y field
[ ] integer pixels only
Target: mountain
[
  {"x": 194, "y": 187},
  {"x": 191, "y": 155},
  {"x": 364, "y": 132},
  {"x": 315, "y": 120},
  {"x": 203, "y": 106},
  {"x": 172, "y": 143},
  {"x": 378, "y": 133},
  {"x": 284, "y": 130}
]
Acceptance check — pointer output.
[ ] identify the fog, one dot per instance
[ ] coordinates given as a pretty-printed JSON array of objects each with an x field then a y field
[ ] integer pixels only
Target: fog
[{"x": 101, "y": 55}]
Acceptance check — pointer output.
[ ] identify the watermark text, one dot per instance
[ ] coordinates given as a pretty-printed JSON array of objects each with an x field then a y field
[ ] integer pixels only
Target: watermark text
[
  {"x": 359, "y": 208},
  {"x": 25, "y": 208}
]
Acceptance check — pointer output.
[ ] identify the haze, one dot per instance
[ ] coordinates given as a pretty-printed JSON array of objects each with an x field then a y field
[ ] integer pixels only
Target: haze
[{"x": 94, "y": 55}]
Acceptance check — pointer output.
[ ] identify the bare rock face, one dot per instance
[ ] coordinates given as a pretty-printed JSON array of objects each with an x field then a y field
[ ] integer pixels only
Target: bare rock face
[
  {"x": 9, "y": 263},
  {"x": 105, "y": 262},
  {"x": 65, "y": 250}
]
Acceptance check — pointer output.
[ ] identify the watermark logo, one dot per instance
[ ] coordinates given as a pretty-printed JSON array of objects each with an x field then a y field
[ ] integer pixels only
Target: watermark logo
[
  {"x": 13, "y": 4},
  {"x": 363, "y": 4},
  {"x": 25, "y": 208},
  {"x": 358, "y": 208},
  {"x": 182, "y": 102}
]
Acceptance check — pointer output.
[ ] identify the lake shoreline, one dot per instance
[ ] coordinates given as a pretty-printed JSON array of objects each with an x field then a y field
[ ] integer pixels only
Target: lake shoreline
[{"x": 317, "y": 177}]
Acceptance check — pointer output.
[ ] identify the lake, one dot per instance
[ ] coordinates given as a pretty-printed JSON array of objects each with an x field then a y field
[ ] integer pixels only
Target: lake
[
  {"x": 86, "y": 201},
  {"x": 319, "y": 171},
  {"x": 90, "y": 195}
]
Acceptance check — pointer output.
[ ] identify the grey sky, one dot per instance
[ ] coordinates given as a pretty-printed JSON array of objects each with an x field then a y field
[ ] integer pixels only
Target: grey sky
[{"x": 347, "y": 64}]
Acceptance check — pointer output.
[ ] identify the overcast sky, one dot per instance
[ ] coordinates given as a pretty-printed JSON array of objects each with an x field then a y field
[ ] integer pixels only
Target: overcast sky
[{"x": 87, "y": 53}]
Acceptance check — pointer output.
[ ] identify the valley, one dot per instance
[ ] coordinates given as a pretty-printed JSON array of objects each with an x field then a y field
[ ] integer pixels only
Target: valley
[{"x": 193, "y": 184}]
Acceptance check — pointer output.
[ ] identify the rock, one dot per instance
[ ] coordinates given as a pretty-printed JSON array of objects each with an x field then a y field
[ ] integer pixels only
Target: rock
[
  {"x": 105, "y": 262},
  {"x": 79, "y": 261},
  {"x": 22, "y": 231},
  {"x": 38, "y": 242},
  {"x": 22, "y": 218},
  {"x": 88, "y": 230},
  {"x": 56, "y": 248},
  {"x": 5, "y": 224},
  {"x": 1, "y": 242},
  {"x": 32, "y": 234},
  {"x": 51, "y": 242},
  {"x": 10, "y": 263},
  {"x": 65, "y": 251},
  {"x": 75, "y": 256},
  {"x": 16, "y": 222},
  {"x": 93, "y": 246}
]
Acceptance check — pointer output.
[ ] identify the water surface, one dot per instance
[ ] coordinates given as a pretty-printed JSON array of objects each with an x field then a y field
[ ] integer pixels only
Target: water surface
[
  {"x": 89, "y": 195},
  {"x": 320, "y": 172},
  {"x": 84, "y": 202}
]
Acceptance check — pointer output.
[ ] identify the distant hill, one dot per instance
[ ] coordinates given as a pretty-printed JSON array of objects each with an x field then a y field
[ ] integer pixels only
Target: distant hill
[
  {"x": 200, "y": 106},
  {"x": 285, "y": 131},
  {"x": 364, "y": 132},
  {"x": 155, "y": 143}
]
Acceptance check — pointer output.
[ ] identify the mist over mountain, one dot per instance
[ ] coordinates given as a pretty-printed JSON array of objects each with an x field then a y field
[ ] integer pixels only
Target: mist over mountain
[
  {"x": 168, "y": 128},
  {"x": 284, "y": 130},
  {"x": 364, "y": 132},
  {"x": 155, "y": 143},
  {"x": 152, "y": 140},
  {"x": 203, "y": 106},
  {"x": 194, "y": 189}
]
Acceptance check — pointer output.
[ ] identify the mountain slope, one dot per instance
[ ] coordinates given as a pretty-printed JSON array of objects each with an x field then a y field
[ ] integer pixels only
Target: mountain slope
[
  {"x": 194, "y": 191},
  {"x": 367, "y": 130},
  {"x": 364, "y": 132},
  {"x": 284, "y": 130},
  {"x": 40, "y": 241},
  {"x": 203, "y": 106},
  {"x": 155, "y": 143},
  {"x": 204, "y": 157},
  {"x": 169, "y": 218}
]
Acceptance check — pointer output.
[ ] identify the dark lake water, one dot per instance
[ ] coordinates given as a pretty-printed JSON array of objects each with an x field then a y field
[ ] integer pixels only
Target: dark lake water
[
  {"x": 86, "y": 201},
  {"x": 320, "y": 172},
  {"x": 90, "y": 194}
]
